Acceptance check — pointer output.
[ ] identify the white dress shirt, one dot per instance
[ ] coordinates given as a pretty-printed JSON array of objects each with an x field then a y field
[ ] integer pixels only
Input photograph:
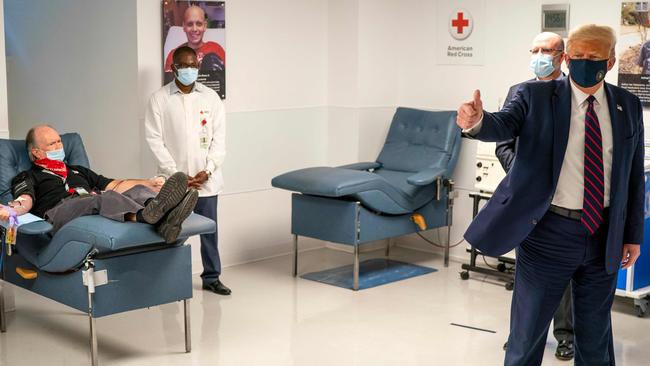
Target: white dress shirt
[
  {"x": 174, "y": 125},
  {"x": 570, "y": 186}
]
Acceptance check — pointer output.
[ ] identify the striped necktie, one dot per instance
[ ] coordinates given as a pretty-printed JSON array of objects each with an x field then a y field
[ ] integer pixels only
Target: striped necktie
[{"x": 594, "y": 178}]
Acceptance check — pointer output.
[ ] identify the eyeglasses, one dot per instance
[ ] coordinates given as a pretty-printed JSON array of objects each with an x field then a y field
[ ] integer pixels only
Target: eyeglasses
[
  {"x": 185, "y": 66},
  {"x": 545, "y": 51}
]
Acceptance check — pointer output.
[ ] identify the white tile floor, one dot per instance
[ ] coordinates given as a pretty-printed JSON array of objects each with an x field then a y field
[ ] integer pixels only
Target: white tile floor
[{"x": 274, "y": 319}]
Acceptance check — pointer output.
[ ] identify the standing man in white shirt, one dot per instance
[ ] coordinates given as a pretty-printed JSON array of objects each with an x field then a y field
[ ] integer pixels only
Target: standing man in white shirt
[{"x": 185, "y": 126}]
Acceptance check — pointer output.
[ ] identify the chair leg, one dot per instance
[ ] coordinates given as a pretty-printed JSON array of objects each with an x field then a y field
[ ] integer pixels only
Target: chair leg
[
  {"x": 188, "y": 329},
  {"x": 451, "y": 194},
  {"x": 447, "y": 246},
  {"x": 295, "y": 255},
  {"x": 355, "y": 279},
  {"x": 93, "y": 332},
  {"x": 389, "y": 242},
  {"x": 90, "y": 286},
  {"x": 3, "y": 318}
]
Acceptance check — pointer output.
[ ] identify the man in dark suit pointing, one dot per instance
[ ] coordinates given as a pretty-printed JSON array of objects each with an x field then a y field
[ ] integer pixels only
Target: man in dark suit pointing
[{"x": 573, "y": 200}]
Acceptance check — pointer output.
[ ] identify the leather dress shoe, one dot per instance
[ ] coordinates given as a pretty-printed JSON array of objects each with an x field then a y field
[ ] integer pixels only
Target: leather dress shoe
[
  {"x": 564, "y": 350},
  {"x": 218, "y": 288}
]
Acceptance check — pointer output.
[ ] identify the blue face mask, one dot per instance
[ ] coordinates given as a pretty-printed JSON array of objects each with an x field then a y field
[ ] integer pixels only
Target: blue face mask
[
  {"x": 57, "y": 155},
  {"x": 587, "y": 73},
  {"x": 542, "y": 65},
  {"x": 187, "y": 75}
]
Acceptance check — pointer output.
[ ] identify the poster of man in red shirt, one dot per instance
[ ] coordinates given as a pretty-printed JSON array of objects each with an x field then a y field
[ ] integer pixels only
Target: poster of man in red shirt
[{"x": 200, "y": 25}]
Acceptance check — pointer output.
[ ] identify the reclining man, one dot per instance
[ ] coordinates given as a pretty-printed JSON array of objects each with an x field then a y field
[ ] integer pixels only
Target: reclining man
[{"x": 60, "y": 193}]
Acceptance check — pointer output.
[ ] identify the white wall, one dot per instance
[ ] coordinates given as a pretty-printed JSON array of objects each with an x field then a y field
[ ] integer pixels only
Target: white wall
[
  {"x": 70, "y": 63},
  {"x": 4, "y": 117},
  {"x": 343, "y": 81}
]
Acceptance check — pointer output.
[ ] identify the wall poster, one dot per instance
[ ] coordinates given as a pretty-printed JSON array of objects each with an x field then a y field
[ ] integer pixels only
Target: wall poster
[
  {"x": 202, "y": 26},
  {"x": 634, "y": 50}
]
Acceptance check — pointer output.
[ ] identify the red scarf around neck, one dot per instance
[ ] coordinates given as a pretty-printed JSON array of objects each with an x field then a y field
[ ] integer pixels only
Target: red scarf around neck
[{"x": 55, "y": 166}]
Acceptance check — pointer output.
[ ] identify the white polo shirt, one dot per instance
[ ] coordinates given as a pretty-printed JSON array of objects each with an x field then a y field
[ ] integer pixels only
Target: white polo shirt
[{"x": 176, "y": 122}]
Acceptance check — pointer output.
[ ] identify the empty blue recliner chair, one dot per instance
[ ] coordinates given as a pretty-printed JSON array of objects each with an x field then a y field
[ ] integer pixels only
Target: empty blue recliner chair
[
  {"x": 94, "y": 264},
  {"x": 408, "y": 189}
]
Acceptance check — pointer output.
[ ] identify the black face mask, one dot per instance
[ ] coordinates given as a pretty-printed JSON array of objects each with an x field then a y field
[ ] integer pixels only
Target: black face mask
[{"x": 587, "y": 73}]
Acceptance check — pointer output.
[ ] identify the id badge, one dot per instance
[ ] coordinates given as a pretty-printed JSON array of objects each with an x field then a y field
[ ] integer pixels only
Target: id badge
[
  {"x": 203, "y": 138},
  {"x": 81, "y": 191}
]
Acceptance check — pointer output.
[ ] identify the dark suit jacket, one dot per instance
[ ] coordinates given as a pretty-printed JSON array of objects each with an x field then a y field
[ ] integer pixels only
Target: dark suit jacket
[
  {"x": 507, "y": 150},
  {"x": 539, "y": 115}
]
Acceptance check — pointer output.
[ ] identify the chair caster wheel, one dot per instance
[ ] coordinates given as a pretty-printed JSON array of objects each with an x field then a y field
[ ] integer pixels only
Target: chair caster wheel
[
  {"x": 640, "y": 312},
  {"x": 641, "y": 307},
  {"x": 501, "y": 267},
  {"x": 510, "y": 286},
  {"x": 464, "y": 275}
]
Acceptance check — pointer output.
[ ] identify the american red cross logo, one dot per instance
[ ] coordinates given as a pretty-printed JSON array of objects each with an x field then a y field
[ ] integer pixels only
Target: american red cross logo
[{"x": 459, "y": 22}]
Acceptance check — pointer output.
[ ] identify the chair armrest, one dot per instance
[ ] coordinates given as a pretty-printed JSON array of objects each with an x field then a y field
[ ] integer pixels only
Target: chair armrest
[
  {"x": 362, "y": 166},
  {"x": 35, "y": 228},
  {"x": 30, "y": 224},
  {"x": 425, "y": 177}
]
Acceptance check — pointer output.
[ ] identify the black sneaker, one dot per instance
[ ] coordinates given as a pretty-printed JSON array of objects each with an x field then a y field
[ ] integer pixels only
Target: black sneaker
[
  {"x": 170, "y": 226},
  {"x": 171, "y": 193}
]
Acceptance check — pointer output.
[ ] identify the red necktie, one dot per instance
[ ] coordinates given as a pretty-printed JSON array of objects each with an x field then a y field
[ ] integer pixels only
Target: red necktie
[{"x": 594, "y": 178}]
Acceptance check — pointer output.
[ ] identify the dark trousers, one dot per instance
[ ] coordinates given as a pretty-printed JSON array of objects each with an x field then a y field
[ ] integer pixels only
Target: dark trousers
[
  {"x": 563, "y": 318},
  {"x": 558, "y": 251},
  {"x": 109, "y": 204},
  {"x": 207, "y": 206}
]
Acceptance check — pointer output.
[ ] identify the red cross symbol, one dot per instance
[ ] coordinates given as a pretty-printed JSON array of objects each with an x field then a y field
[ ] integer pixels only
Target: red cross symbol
[{"x": 459, "y": 23}]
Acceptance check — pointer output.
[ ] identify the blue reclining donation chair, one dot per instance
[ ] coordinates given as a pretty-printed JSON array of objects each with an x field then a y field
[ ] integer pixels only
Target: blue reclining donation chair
[
  {"x": 408, "y": 189},
  {"x": 94, "y": 264}
]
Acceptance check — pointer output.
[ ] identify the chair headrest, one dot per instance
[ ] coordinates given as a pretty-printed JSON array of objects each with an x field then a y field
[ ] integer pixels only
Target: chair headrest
[
  {"x": 420, "y": 139},
  {"x": 15, "y": 159}
]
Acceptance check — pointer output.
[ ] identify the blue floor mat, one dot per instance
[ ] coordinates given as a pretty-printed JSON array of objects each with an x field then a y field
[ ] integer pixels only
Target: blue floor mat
[{"x": 372, "y": 272}]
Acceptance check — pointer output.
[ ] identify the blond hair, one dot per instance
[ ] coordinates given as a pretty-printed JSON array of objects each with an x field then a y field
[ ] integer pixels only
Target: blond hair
[{"x": 593, "y": 33}]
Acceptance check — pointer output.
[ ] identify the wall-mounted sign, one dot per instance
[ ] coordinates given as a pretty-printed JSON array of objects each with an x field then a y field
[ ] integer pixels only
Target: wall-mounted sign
[
  {"x": 461, "y": 32},
  {"x": 202, "y": 26}
]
